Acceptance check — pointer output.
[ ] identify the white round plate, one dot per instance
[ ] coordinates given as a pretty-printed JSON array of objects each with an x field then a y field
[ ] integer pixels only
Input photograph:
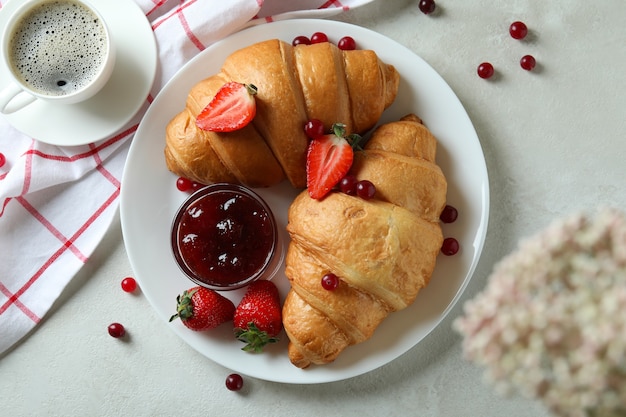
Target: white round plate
[
  {"x": 150, "y": 199},
  {"x": 113, "y": 106}
]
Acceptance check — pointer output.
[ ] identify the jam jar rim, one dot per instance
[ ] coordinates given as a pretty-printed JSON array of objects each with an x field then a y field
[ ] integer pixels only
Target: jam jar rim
[{"x": 264, "y": 272}]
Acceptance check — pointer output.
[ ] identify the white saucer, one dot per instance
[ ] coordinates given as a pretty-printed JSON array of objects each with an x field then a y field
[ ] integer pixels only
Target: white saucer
[{"x": 117, "y": 103}]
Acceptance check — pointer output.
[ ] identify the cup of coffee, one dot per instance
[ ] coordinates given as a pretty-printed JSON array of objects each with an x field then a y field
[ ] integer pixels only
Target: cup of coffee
[{"x": 59, "y": 51}]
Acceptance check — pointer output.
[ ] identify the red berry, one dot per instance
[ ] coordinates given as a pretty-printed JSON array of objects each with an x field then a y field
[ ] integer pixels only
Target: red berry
[
  {"x": 347, "y": 185},
  {"x": 3, "y": 160},
  {"x": 347, "y": 43},
  {"x": 129, "y": 284},
  {"x": 301, "y": 40},
  {"x": 449, "y": 214},
  {"x": 330, "y": 282},
  {"x": 195, "y": 186},
  {"x": 518, "y": 30},
  {"x": 528, "y": 62},
  {"x": 365, "y": 189},
  {"x": 183, "y": 184},
  {"x": 450, "y": 246},
  {"x": 234, "y": 382},
  {"x": 319, "y": 37},
  {"x": 314, "y": 128},
  {"x": 485, "y": 70},
  {"x": 427, "y": 6},
  {"x": 116, "y": 330}
]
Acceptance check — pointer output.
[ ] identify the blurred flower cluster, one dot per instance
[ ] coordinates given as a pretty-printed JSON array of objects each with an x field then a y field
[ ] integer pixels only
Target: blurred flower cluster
[{"x": 551, "y": 322}]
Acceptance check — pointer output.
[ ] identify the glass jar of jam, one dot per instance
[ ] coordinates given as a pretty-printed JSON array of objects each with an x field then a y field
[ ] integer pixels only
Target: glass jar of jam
[{"x": 224, "y": 237}]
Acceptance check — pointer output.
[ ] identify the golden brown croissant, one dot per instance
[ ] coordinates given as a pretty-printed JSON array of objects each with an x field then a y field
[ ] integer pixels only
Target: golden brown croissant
[
  {"x": 383, "y": 250},
  {"x": 295, "y": 84}
]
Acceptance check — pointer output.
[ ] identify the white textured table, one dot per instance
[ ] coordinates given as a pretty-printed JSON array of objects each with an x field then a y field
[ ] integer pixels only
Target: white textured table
[{"x": 553, "y": 141}]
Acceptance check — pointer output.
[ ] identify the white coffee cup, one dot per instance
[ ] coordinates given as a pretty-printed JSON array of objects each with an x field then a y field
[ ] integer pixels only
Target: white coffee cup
[{"x": 59, "y": 51}]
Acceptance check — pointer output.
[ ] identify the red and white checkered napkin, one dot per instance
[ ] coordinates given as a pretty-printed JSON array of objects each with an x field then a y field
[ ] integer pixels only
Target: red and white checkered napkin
[{"x": 56, "y": 203}]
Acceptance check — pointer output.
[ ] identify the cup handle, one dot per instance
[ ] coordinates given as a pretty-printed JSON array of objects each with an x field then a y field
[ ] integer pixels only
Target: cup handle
[{"x": 13, "y": 98}]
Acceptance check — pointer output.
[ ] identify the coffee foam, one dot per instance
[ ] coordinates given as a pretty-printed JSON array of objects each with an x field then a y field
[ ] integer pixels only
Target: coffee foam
[{"x": 58, "y": 47}]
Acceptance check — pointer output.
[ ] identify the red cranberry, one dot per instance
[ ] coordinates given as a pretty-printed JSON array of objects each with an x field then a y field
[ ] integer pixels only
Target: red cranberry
[
  {"x": 314, "y": 128},
  {"x": 485, "y": 70},
  {"x": 319, "y": 37},
  {"x": 129, "y": 284},
  {"x": 116, "y": 330},
  {"x": 330, "y": 282},
  {"x": 365, "y": 189},
  {"x": 3, "y": 160},
  {"x": 184, "y": 184},
  {"x": 528, "y": 62},
  {"x": 234, "y": 382},
  {"x": 301, "y": 40},
  {"x": 347, "y": 185},
  {"x": 195, "y": 186},
  {"x": 427, "y": 6},
  {"x": 449, "y": 214},
  {"x": 347, "y": 43},
  {"x": 450, "y": 246},
  {"x": 518, "y": 30}
]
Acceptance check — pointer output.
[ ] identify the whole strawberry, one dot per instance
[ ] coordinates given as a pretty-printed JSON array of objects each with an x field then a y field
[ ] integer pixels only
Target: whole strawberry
[
  {"x": 201, "y": 309},
  {"x": 258, "y": 317}
]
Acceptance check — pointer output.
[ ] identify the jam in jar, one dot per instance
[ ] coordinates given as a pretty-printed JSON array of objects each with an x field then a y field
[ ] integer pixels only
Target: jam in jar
[{"x": 224, "y": 236}]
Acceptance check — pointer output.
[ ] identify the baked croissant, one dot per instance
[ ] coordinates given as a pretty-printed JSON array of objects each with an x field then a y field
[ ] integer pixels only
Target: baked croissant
[
  {"x": 295, "y": 84},
  {"x": 382, "y": 250}
]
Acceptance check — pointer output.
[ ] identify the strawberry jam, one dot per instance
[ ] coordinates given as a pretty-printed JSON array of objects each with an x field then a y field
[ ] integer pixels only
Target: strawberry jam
[{"x": 224, "y": 236}]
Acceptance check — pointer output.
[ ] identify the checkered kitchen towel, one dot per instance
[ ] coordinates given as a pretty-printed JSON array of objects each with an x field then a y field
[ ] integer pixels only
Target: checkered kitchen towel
[{"x": 56, "y": 203}]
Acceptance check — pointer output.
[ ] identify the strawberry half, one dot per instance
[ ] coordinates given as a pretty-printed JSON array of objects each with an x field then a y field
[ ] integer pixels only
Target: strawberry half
[
  {"x": 201, "y": 309},
  {"x": 232, "y": 108},
  {"x": 328, "y": 160},
  {"x": 258, "y": 317}
]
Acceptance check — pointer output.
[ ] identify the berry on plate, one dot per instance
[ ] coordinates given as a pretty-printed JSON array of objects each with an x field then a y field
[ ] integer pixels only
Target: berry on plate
[
  {"x": 232, "y": 108},
  {"x": 328, "y": 160},
  {"x": 201, "y": 309},
  {"x": 258, "y": 317}
]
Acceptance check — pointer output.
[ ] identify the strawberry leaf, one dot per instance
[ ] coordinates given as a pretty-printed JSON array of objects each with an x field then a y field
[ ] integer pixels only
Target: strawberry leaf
[{"x": 254, "y": 338}]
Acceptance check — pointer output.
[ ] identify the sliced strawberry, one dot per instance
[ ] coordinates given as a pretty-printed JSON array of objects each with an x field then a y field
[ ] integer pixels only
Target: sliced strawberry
[
  {"x": 201, "y": 309},
  {"x": 329, "y": 159},
  {"x": 232, "y": 108}
]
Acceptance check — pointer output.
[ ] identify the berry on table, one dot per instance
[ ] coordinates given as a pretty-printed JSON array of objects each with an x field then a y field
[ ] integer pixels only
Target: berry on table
[
  {"x": 450, "y": 246},
  {"x": 485, "y": 70},
  {"x": 427, "y": 6},
  {"x": 518, "y": 30},
  {"x": 319, "y": 37},
  {"x": 528, "y": 62},
  {"x": 347, "y": 43},
  {"x": 330, "y": 282},
  {"x": 129, "y": 284},
  {"x": 3, "y": 160},
  {"x": 116, "y": 330},
  {"x": 234, "y": 382}
]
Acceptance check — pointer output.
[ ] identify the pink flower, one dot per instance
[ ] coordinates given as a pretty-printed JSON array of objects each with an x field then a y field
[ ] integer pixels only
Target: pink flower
[{"x": 551, "y": 322}]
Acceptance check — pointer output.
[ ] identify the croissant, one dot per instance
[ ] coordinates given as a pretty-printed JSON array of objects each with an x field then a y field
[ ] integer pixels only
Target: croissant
[
  {"x": 295, "y": 84},
  {"x": 382, "y": 250}
]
